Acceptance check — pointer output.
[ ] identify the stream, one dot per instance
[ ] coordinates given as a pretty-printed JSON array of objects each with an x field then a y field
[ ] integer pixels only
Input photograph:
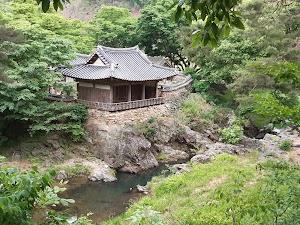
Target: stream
[{"x": 106, "y": 200}]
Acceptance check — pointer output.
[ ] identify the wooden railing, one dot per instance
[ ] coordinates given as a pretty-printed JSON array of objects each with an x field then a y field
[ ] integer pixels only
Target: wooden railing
[
  {"x": 112, "y": 107},
  {"x": 59, "y": 98}
]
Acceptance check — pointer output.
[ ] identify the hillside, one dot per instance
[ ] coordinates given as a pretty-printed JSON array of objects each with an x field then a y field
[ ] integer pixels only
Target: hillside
[
  {"x": 85, "y": 10},
  {"x": 236, "y": 125}
]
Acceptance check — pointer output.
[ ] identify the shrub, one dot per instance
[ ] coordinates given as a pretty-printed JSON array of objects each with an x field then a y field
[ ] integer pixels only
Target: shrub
[
  {"x": 286, "y": 145},
  {"x": 146, "y": 215},
  {"x": 231, "y": 135},
  {"x": 79, "y": 113},
  {"x": 76, "y": 131},
  {"x": 148, "y": 128}
]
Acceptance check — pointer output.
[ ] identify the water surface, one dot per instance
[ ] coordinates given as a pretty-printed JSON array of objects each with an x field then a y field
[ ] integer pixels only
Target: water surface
[{"x": 106, "y": 200}]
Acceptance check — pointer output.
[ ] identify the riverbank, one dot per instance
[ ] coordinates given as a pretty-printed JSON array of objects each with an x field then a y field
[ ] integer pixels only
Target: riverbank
[{"x": 230, "y": 188}]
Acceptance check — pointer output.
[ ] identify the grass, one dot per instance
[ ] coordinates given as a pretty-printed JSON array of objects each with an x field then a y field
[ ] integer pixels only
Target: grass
[
  {"x": 180, "y": 198},
  {"x": 286, "y": 145},
  {"x": 76, "y": 170}
]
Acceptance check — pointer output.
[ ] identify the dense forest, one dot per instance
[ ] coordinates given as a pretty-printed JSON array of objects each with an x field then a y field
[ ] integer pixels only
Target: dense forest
[{"x": 248, "y": 65}]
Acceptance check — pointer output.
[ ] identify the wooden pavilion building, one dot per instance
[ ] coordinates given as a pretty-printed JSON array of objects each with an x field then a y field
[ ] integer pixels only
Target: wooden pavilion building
[{"x": 113, "y": 79}]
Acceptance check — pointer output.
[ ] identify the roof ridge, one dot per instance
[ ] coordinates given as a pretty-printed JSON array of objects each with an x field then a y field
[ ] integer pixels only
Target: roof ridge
[
  {"x": 107, "y": 66},
  {"x": 82, "y": 55},
  {"x": 164, "y": 67},
  {"x": 134, "y": 48},
  {"x": 101, "y": 51}
]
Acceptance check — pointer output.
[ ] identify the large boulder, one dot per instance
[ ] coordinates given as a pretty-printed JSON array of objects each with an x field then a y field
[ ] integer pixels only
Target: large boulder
[
  {"x": 201, "y": 158},
  {"x": 169, "y": 154},
  {"x": 216, "y": 149},
  {"x": 122, "y": 148},
  {"x": 166, "y": 131},
  {"x": 194, "y": 139},
  {"x": 180, "y": 168},
  {"x": 102, "y": 174},
  {"x": 169, "y": 131}
]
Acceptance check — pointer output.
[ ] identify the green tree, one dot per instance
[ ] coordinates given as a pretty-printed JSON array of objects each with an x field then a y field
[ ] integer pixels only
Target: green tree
[
  {"x": 26, "y": 16},
  {"x": 218, "y": 16},
  {"x": 27, "y": 80},
  {"x": 157, "y": 35},
  {"x": 114, "y": 27}
]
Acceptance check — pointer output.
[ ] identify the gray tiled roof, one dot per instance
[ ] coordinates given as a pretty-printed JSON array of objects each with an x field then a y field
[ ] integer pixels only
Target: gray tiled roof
[
  {"x": 81, "y": 59},
  {"x": 121, "y": 63},
  {"x": 159, "y": 60},
  {"x": 88, "y": 72}
]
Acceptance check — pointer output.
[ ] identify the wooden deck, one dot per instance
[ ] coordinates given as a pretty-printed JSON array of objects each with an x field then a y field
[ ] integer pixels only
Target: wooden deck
[{"x": 112, "y": 107}]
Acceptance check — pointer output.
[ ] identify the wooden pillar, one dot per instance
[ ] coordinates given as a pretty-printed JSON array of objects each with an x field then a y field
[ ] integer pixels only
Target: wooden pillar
[
  {"x": 156, "y": 89},
  {"x": 129, "y": 93},
  {"x": 111, "y": 94},
  {"x": 143, "y": 91}
]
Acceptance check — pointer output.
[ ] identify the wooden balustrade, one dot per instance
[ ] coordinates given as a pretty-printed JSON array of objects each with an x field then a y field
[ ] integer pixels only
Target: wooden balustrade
[{"x": 112, "y": 107}]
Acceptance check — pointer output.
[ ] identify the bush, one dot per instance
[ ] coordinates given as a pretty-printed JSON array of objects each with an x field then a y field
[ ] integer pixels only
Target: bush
[
  {"x": 231, "y": 135},
  {"x": 79, "y": 113},
  {"x": 286, "y": 145},
  {"x": 146, "y": 215},
  {"x": 148, "y": 128},
  {"x": 76, "y": 131}
]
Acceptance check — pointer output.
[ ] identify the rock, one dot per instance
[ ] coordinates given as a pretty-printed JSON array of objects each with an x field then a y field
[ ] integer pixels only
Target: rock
[
  {"x": 218, "y": 148},
  {"x": 143, "y": 189},
  {"x": 16, "y": 156},
  {"x": 201, "y": 158},
  {"x": 54, "y": 144},
  {"x": 250, "y": 143},
  {"x": 180, "y": 168},
  {"x": 61, "y": 175},
  {"x": 194, "y": 139},
  {"x": 271, "y": 138},
  {"x": 102, "y": 174},
  {"x": 89, "y": 140},
  {"x": 122, "y": 148},
  {"x": 170, "y": 154},
  {"x": 166, "y": 132}
]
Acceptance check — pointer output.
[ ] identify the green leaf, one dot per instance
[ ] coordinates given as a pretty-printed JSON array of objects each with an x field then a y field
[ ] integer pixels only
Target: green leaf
[
  {"x": 238, "y": 23},
  {"x": 45, "y": 5},
  {"x": 215, "y": 29},
  {"x": 206, "y": 39},
  {"x": 213, "y": 43},
  {"x": 226, "y": 31},
  {"x": 196, "y": 38},
  {"x": 178, "y": 13}
]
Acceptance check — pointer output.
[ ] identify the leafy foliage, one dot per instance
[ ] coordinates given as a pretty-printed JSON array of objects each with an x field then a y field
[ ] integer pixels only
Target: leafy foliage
[
  {"x": 145, "y": 215},
  {"x": 149, "y": 127},
  {"x": 50, "y": 197},
  {"x": 157, "y": 34},
  {"x": 18, "y": 193},
  {"x": 219, "y": 17},
  {"x": 286, "y": 145},
  {"x": 114, "y": 27},
  {"x": 232, "y": 134},
  {"x": 281, "y": 115},
  {"x": 27, "y": 81}
]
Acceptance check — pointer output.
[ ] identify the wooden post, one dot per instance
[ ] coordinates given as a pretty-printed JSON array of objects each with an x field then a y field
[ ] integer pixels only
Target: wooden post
[
  {"x": 144, "y": 91},
  {"x": 129, "y": 93},
  {"x": 111, "y": 97},
  {"x": 156, "y": 89}
]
